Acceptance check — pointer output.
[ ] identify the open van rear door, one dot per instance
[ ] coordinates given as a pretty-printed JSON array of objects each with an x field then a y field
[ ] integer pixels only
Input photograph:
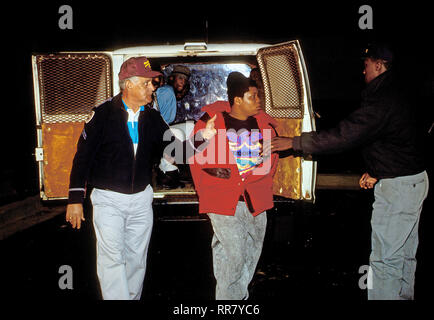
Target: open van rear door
[
  {"x": 288, "y": 100},
  {"x": 66, "y": 87}
]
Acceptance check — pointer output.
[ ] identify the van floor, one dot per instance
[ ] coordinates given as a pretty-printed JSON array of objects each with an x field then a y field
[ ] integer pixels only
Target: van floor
[{"x": 177, "y": 195}]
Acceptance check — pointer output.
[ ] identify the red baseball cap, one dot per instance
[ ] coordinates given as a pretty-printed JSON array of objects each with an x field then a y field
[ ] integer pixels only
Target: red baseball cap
[{"x": 137, "y": 66}]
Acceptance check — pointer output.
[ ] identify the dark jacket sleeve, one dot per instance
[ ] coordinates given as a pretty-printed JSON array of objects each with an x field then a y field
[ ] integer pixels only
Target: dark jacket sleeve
[
  {"x": 87, "y": 147},
  {"x": 361, "y": 126}
]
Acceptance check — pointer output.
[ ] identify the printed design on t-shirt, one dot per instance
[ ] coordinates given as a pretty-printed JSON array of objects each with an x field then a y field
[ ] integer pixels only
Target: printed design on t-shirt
[{"x": 246, "y": 147}]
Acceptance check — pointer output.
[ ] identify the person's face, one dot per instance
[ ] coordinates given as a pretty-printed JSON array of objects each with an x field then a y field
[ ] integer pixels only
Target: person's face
[
  {"x": 250, "y": 104},
  {"x": 142, "y": 89},
  {"x": 372, "y": 69},
  {"x": 156, "y": 82},
  {"x": 179, "y": 82}
]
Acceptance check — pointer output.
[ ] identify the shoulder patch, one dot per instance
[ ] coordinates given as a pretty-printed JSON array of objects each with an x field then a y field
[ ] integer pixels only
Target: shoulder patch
[
  {"x": 107, "y": 100},
  {"x": 90, "y": 116}
]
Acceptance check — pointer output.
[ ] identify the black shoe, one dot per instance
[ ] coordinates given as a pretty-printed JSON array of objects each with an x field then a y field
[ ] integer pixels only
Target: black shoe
[{"x": 169, "y": 180}]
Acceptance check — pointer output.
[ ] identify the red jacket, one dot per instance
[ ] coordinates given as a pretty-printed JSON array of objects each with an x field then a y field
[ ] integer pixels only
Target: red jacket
[{"x": 220, "y": 195}]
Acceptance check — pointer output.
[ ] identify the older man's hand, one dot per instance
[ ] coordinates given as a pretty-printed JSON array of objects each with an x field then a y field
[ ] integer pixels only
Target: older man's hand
[{"x": 74, "y": 215}]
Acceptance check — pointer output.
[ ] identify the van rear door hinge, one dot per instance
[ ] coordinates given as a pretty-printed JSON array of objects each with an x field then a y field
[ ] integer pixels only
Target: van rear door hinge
[{"x": 39, "y": 154}]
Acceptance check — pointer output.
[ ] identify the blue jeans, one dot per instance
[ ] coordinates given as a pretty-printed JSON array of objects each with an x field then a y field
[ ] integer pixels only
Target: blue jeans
[{"x": 395, "y": 222}]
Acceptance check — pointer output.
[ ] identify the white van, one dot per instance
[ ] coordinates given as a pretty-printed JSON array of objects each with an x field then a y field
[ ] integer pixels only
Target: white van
[{"x": 68, "y": 84}]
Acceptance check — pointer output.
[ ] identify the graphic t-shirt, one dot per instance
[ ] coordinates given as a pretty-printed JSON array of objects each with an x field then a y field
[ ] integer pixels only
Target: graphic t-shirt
[{"x": 245, "y": 143}]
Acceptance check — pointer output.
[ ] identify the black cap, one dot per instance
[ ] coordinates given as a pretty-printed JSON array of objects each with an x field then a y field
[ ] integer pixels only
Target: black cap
[
  {"x": 183, "y": 70},
  {"x": 378, "y": 51}
]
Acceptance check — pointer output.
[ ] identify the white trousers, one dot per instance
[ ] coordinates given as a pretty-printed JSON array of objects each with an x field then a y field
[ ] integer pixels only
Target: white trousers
[{"x": 123, "y": 226}]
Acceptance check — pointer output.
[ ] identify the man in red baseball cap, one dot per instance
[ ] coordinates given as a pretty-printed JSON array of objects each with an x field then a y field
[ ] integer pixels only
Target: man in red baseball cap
[
  {"x": 137, "y": 70},
  {"x": 120, "y": 142},
  {"x": 137, "y": 66},
  {"x": 115, "y": 155}
]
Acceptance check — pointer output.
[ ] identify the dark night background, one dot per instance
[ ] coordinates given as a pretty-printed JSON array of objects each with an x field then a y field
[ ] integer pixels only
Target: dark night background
[
  {"x": 330, "y": 39},
  {"x": 329, "y": 34}
]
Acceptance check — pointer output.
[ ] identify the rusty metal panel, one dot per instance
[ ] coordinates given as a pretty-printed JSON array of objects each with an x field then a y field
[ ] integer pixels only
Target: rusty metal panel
[
  {"x": 67, "y": 87},
  {"x": 60, "y": 143},
  {"x": 287, "y": 179},
  {"x": 281, "y": 72}
]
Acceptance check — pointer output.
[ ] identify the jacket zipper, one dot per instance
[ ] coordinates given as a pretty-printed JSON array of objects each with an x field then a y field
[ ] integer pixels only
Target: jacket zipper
[
  {"x": 133, "y": 174},
  {"x": 134, "y": 160}
]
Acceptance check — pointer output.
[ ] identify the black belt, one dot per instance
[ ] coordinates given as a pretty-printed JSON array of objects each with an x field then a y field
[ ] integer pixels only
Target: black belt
[{"x": 248, "y": 202}]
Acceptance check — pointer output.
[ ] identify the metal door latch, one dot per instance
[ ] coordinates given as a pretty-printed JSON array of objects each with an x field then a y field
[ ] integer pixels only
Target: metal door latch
[{"x": 39, "y": 154}]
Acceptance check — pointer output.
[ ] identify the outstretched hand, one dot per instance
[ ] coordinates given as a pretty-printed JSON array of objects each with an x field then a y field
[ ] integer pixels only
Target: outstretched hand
[
  {"x": 277, "y": 144},
  {"x": 209, "y": 130}
]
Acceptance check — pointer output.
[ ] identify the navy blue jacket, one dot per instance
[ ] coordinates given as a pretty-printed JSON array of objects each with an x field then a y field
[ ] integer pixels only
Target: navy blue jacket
[
  {"x": 384, "y": 126},
  {"x": 105, "y": 155}
]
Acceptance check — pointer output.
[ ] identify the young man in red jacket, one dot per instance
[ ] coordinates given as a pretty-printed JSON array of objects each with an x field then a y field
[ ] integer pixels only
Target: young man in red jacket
[{"x": 234, "y": 183}]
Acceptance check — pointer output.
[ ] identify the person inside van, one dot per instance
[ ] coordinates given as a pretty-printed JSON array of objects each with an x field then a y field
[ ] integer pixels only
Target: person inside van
[{"x": 167, "y": 96}]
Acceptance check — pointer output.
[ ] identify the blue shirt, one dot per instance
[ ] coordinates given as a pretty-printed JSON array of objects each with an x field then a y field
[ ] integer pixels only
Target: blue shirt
[
  {"x": 167, "y": 103},
  {"x": 133, "y": 124}
]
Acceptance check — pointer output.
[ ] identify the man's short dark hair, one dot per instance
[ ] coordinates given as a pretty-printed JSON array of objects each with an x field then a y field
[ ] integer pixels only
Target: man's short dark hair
[{"x": 238, "y": 85}]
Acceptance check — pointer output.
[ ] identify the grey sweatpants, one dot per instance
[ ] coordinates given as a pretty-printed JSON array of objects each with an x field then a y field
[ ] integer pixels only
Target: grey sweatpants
[
  {"x": 236, "y": 248},
  {"x": 395, "y": 222}
]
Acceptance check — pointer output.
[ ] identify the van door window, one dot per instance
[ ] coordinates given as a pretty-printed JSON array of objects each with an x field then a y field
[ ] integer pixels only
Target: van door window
[{"x": 207, "y": 85}]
